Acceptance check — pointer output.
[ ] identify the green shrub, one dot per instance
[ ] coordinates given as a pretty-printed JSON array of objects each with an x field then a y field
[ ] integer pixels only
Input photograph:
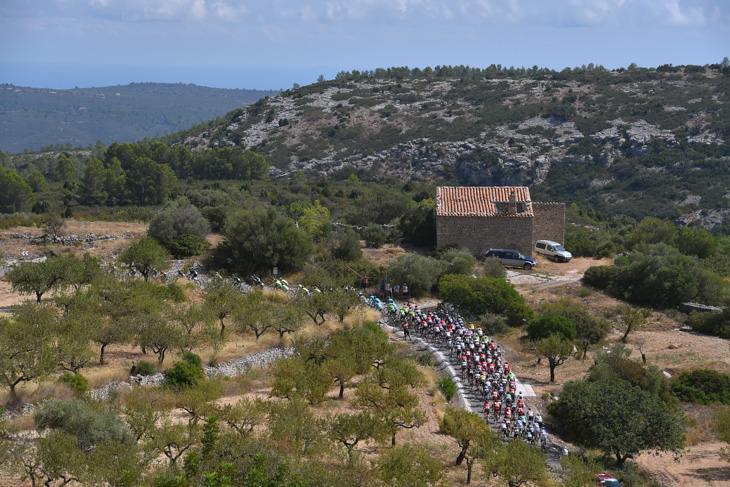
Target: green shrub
[
  {"x": 193, "y": 359},
  {"x": 480, "y": 295},
  {"x": 145, "y": 368},
  {"x": 493, "y": 268},
  {"x": 89, "y": 425},
  {"x": 711, "y": 323},
  {"x": 493, "y": 324},
  {"x": 185, "y": 373},
  {"x": 77, "y": 382},
  {"x": 345, "y": 244},
  {"x": 424, "y": 359},
  {"x": 702, "y": 386},
  {"x": 375, "y": 236},
  {"x": 518, "y": 313},
  {"x": 185, "y": 245},
  {"x": 177, "y": 218},
  {"x": 373, "y": 327},
  {"x": 447, "y": 388},
  {"x": 420, "y": 272},
  {"x": 658, "y": 275},
  {"x": 459, "y": 261},
  {"x": 418, "y": 223}
]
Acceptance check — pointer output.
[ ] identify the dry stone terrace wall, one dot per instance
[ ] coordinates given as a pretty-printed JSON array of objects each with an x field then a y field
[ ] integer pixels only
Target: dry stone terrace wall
[
  {"x": 48, "y": 238},
  {"x": 549, "y": 223},
  {"x": 479, "y": 234}
]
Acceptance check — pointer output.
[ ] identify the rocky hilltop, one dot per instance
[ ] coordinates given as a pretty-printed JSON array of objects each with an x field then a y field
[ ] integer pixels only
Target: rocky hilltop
[{"x": 615, "y": 134}]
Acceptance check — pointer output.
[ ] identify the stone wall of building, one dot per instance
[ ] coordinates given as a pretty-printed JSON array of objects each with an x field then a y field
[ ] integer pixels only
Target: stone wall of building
[
  {"x": 549, "y": 222},
  {"x": 479, "y": 234}
]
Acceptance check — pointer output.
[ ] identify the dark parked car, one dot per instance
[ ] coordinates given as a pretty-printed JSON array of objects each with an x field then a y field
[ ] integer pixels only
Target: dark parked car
[{"x": 512, "y": 258}]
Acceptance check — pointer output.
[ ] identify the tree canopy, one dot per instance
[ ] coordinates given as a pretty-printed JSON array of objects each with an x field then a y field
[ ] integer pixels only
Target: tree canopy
[{"x": 618, "y": 418}]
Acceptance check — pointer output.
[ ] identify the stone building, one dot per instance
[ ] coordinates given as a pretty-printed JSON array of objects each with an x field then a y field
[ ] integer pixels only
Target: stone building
[{"x": 480, "y": 218}]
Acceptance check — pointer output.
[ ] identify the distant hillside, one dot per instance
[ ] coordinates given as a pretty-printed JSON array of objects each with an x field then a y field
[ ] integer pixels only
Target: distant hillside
[
  {"x": 639, "y": 142},
  {"x": 33, "y": 118}
]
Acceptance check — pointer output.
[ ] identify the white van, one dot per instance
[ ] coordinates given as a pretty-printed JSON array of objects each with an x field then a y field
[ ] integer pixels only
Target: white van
[{"x": 552, "y": 250}]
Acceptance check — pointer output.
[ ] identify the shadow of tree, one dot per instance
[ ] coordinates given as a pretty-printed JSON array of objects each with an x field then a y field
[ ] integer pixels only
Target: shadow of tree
[{"x": 714, "y": 474}]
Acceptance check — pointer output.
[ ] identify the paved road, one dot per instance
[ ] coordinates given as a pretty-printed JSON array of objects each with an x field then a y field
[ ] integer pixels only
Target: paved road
[{"x": 467, "y": 396}]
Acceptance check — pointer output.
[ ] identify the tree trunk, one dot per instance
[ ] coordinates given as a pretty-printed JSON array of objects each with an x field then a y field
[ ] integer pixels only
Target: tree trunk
[
  {"x": 469, "y": 463},
  {"x": 585, "y": 351},
  {"x": 223, "y": 328},
  {"x": 101, "y": 354},
  {"x": 552, "y": 371},
  {"x": 13, "y": 396},
  {"x": 342, "y": 394},
  {"x": 462, "y": 454},
  {"x": 626, "y": 335},
  {"x": 643, "y": 358}
]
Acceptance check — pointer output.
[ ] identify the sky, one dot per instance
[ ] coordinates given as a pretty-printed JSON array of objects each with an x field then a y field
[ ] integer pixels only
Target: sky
[{"x": 271, "y": 44}]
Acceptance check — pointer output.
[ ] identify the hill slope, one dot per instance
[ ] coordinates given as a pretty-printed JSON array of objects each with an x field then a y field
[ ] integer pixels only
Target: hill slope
[
  {"x": 35, "y": 117},
  {"x": 641, "y": 142}
]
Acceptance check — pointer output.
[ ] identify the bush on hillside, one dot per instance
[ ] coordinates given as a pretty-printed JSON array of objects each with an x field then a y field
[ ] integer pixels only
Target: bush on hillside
[
  {"x": 459, "y": 261},
  {"x": 87, "y": 423},
  {"x": 711, "y": 323},
  {"x": 186, "y": 245},
  {"x": 420, "y": 273},
  {"x": 77, "y": 382},
  {"x": 702, "y": 386},
  {"x": 345, "y": 244},
  {"x": 186, "y": 373},
  {"x": 583, "y": 242},
  {"x": 447, "y": 388},
  {"x": 145, "y": 368},
  {"x": 658, "y": 275},
  {"x": 493, "y": 268},
  {"x": 178, "y": 217},
  {"x": 418, "y": 223},
  {"x": 375, "y": 236},
  {"x": 477, "y": 296}
]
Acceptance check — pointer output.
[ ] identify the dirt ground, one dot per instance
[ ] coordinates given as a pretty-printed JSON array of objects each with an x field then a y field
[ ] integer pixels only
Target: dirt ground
[
  {"x": 700, "y": 466},
  {"x": 665, "y": 346},
  {"x": 105, "y": 249}
]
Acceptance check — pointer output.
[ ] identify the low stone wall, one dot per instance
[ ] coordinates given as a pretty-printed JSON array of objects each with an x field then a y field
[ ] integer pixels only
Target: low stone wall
[{"x": 48, "y": 238}]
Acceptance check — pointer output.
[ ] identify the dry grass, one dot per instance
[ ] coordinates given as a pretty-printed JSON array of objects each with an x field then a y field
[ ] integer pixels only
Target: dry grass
[
  {"x": 22, "y": 423},
  {"x": 32, "y": 392},
  {"x": 101, "y": 376},
  {"x": 104, "y": 249}
]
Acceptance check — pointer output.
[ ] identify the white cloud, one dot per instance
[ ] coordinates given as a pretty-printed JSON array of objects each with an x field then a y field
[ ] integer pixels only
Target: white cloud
[
  {"x": 225, "y": 11},
  {"x": 597, "y": 11},
  {"x": 169, "y": 10},
  {"x": 679, "y": 16},
  {"x": 307, "y": 14}
]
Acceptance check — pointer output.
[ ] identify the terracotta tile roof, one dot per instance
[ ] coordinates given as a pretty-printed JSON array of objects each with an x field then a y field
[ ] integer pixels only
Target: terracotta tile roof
[{"x": 483, "y": 201}]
